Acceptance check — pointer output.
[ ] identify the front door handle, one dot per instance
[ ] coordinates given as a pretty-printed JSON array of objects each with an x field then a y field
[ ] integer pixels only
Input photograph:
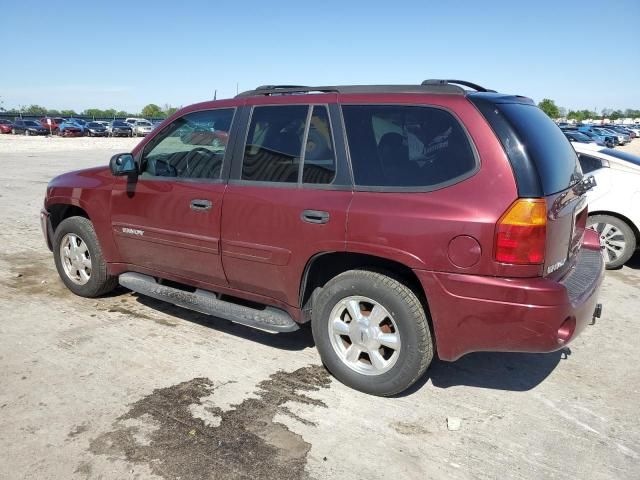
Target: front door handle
[
  {"x": 315, "y": 216},
  {"x": 199, "y": 204}
]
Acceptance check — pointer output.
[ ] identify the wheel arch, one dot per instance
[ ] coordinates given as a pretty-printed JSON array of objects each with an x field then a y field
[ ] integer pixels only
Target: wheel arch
[
  {"x": 324, "y": 266},
  {"x": 61, "y": 211}
]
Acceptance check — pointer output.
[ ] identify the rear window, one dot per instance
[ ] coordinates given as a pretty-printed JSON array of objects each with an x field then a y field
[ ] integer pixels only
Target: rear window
[
  {"x": 545, "y": 144},
  {"x": 401, "y": 146},
  {"x": 542, "y": 158}
]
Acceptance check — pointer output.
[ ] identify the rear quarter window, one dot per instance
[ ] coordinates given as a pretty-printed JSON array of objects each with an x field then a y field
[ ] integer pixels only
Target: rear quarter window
[
  {"x": 540, "y": 139},
  {"x": 399, "y": 146}
]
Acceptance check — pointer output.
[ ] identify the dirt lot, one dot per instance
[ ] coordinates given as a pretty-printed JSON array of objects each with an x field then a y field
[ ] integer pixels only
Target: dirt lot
[{"x": 127, "y": 387}]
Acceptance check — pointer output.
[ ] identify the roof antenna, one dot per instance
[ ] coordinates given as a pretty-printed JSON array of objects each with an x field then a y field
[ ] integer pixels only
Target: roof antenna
[{"x": 215, "y": 94}]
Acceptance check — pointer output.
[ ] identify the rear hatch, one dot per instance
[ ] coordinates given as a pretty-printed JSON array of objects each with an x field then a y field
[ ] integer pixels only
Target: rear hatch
[{"x": 545, "y": 166}]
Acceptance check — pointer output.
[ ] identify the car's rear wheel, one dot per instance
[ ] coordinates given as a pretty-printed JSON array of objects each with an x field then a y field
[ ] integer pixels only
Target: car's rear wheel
[
  {"x": 79, "y": 259},
  {"x": 27, "y": 133},
  {"x": 372, "y": 332},
  {"x": 617, "y": 239}
]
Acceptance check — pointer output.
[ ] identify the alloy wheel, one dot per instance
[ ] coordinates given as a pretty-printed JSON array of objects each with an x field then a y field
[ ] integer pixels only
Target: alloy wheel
[
  {"x": 364, "y": 335},
  {"x": 612, "y": 241}
]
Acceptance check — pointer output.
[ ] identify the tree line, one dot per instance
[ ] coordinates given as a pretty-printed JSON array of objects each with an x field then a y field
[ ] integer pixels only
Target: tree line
[
  {"x": 549, "y": 107},
  {"x": 149, "y": 111}
]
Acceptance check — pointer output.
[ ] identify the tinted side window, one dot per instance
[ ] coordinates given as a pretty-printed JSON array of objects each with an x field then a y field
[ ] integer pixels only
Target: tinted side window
[
  {"x": 191, "y": 146},
  {"x": 588, "y": 163},
  {"x": 274, "y": 143},
  {"x": 319, "y": 155},
  {"x": 406, "y": 146}
]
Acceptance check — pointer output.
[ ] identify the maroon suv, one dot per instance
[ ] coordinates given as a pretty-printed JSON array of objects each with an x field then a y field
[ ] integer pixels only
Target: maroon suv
[{"x": 398, "y": 220}]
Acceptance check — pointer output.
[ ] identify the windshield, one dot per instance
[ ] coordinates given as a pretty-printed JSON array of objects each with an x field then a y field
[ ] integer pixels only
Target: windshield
[
  {"x": 120, "y": 123},
  {"x": 629, "y": 157},
  {"x": 93, "y": 124}
]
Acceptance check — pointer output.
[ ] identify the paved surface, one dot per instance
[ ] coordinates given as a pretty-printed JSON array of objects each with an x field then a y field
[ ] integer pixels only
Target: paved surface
[{"x": 127, "y": 387}]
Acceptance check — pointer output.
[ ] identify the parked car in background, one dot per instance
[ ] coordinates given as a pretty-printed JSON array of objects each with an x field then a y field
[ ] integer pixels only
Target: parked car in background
[
  {"x": 70, "y": 128},
  {"x": 634, "y": 128},
  {"x": 132, "y": 120},
  {"x": 28, "y": 127},
  {"x": 142, "y": 128},
  {"x": 576, "y": 136},
  {"x": 623, "y": 130},
  {"x": 620, "y": 137},
  {"x": 95, "y": 129},
  {"x": 55, "y": 122},
  {"x": 609, "y": 140},
  {"x": 5, "y": 125},
  {"x": 395, "y": 219},
  {"x": 119, "y": 128},
  {"x": 104, "y": 123},
  {"x": 614, "y": 203}
]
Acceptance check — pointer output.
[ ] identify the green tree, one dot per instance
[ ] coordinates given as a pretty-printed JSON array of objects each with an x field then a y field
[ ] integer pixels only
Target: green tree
[
  {"x": 549, "y": 107},
  {"x": 152, "y": 110},
  {"x": 68, "y": 113},
  {"x": 35, "y": 110},
  {"x": 168, "y": 110}
]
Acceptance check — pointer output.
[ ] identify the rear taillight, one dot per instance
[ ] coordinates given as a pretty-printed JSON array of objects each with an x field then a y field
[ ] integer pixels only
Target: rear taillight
[{"x": 521, "y": 232}]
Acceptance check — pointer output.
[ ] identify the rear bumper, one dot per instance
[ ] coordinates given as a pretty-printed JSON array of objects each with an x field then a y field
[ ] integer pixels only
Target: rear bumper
[{"x": 473, "y": 313}]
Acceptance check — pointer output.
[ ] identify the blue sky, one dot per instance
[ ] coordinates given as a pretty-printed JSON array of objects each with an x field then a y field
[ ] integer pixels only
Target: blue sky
[{"x": 126, "y": 54}]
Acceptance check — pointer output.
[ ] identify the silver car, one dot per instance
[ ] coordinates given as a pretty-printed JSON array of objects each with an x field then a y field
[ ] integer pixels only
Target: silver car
[
  {"x": 142, "y": 128},
  {"x": 622, "y": 138}
]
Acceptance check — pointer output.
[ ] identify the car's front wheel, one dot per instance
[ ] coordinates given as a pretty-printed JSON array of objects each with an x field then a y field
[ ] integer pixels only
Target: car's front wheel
[
  {"x": 79, "y": 259},
  {"x": 617, "y": 239},
  {"x": 372, "y": 332}
]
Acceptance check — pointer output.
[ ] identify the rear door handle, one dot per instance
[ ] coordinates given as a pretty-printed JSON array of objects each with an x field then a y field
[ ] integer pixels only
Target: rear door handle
[
  {"x": 315, "y": 216},
  {"x": 198, "y": 204}
]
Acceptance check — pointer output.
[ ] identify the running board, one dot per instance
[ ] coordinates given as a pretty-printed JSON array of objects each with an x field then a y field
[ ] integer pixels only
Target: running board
[{"x": 272, "y": 320}]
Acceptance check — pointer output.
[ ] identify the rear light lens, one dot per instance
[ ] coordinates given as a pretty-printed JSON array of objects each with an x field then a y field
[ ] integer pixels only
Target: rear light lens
[{"x": 521, "y": 232}]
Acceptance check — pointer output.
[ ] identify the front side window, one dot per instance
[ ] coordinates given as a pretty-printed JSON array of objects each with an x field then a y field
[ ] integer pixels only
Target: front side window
[{"x": 192, "y": 146}]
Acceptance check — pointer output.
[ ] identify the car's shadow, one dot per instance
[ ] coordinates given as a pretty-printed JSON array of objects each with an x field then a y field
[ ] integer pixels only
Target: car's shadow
[
  {"x": 498, "y": 371},
  {"x": 516, "y": 372}
]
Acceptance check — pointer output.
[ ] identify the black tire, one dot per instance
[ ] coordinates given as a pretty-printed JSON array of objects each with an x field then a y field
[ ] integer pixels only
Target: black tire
[
  {"x": 623, "y": 232},
  {"x": 100, "y": 282},
  {"x": 27, "y": 133},
  {"x": 416, "y": 351}
]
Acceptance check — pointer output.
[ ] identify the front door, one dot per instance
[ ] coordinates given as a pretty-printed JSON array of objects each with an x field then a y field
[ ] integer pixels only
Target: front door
[
  {"x": 285, "y": 203},
  {"x": 168, "y": 219}
]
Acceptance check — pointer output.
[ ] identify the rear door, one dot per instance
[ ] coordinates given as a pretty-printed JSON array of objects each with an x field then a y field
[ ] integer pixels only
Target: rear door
[
  {"x": 286, "y": 201},
  {"x": 168, "y": 219}
]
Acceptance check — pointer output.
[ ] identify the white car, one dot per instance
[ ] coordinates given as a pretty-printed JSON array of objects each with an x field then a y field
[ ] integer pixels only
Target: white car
[
  {"x": 142, "y": 127},
  {"x": 614, "y": 203}
]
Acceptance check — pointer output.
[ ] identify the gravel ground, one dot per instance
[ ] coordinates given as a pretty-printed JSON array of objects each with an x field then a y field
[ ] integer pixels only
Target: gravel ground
[{"x": 127, "y": 387}]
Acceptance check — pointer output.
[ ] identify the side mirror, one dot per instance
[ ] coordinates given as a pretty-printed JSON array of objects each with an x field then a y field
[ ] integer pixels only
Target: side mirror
[{"x": 123, "y": 164}]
